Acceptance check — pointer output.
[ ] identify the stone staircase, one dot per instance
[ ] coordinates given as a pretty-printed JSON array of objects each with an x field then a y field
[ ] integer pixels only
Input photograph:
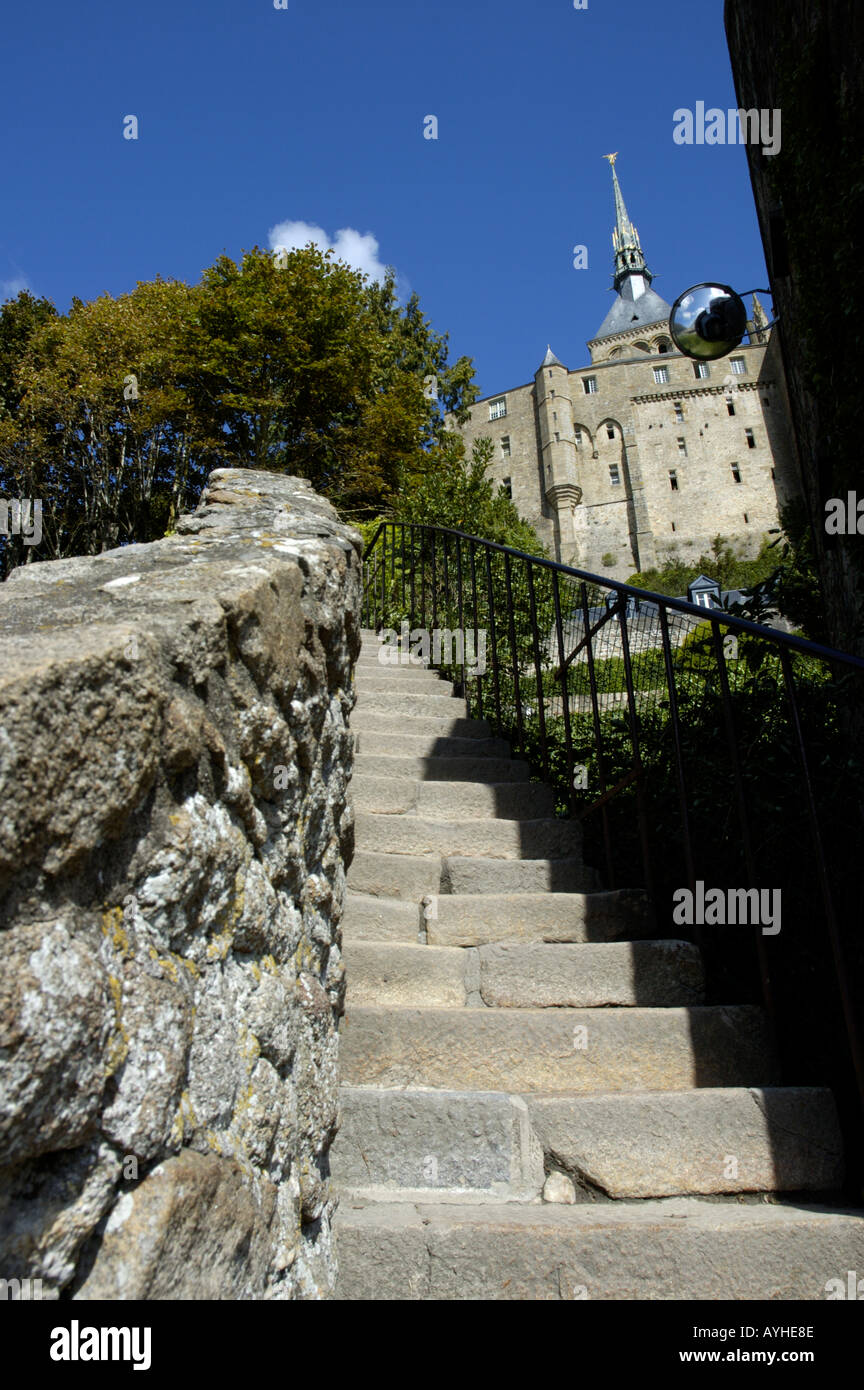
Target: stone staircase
[{"x": 537, "y": 1103}]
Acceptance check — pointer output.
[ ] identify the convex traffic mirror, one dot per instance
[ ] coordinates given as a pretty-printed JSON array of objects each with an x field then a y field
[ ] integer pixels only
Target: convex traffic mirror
[{"x": 707, "y": 321}]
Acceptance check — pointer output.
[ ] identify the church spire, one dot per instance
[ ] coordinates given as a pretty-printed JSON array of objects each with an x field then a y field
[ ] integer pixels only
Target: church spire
[{"x": 629, "y": 260}]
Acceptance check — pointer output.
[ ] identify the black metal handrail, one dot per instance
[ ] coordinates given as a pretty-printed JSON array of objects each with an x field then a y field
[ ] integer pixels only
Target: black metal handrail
[{"x": 553, "y": 648}]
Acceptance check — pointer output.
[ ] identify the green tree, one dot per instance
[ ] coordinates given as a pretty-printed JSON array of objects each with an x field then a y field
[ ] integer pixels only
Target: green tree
[
  {"x": 20, "y": 318},
  {"x": 312, "y": 369},
  {"x": 108, "y": 469},
  {"x": 730, "y": 570},
  {"x": 305, "y": 367},
  {"x": 791, "y": 588},
  {"x": 455, "y": 491}
]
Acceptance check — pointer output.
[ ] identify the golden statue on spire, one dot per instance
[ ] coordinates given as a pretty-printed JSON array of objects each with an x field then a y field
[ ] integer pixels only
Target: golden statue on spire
[{"x": 611, "y": 158}]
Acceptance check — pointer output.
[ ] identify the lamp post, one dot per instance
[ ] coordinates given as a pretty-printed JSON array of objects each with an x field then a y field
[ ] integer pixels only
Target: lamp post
[{"x": 709, "y": 321}]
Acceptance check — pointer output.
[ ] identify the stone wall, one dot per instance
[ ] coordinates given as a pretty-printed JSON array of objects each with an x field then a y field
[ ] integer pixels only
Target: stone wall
[
  {"x": 173, "y": 840},
  {"x": 808, "y": 61}
]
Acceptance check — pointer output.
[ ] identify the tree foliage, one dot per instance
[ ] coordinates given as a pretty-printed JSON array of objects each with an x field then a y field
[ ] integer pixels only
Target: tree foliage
[
  {"x": 450, "y": 489},
  {"x": 731, "y": 571},
  {"x": 303, "y": 367},
  {"x": 792, "y": 587}
]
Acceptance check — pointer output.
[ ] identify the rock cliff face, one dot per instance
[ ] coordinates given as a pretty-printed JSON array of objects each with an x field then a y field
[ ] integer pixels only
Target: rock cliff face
[{"x": 173, "y": 840}]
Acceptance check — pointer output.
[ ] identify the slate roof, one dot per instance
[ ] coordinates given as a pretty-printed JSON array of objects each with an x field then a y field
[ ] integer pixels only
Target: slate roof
[
  {"x": 550, "y": 360},
  {"x": 627, "y": 313}
]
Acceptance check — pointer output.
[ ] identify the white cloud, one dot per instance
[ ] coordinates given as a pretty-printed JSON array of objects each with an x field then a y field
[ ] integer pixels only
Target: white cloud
[
  {"x": 357, "y": 249},
  {"x": 10, "y": 288}
]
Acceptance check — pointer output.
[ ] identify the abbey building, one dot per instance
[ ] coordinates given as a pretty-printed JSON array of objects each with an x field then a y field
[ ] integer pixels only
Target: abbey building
[{"x": 644, "y": 454}]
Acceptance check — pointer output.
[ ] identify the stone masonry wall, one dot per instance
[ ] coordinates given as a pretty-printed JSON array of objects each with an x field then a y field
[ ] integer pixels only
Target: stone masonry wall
[{"x": 173, "y": 839}]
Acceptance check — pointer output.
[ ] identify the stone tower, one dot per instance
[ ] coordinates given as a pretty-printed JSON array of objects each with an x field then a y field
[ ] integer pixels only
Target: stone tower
[{"x": 557, "y": 447}]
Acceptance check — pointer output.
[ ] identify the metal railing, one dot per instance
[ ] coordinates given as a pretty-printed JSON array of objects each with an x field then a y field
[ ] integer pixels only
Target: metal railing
[{"x": 694, "y": 746}]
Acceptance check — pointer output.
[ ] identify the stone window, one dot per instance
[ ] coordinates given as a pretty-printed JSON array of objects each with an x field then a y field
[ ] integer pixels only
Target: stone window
[
  {"x": 505, "y": 446},
  {"x": 746, "y": 518},
  {"x": 679, "y": 413},
  {"x": 736, "y": 473},
  {"x": 739, "y": 366},
  {"x": 498, "y": 408},
  {"x": 578, "y": 434},
  {"x": 589, "y": 385},
  {"x": 661, "y": 375},
  {"x": 730, "y": 405},
  {"x": 701, "y": 370},
  {"x": 673, "y": 480},
  {"x": 751, "y": 439},
  {"x": 610, "y": 431},
  {"x": 557, "y": 437},
  {"x": 507, "y": 487},
  {"x": 614, "y": 475},
  {"x": 682, "y": 447}
]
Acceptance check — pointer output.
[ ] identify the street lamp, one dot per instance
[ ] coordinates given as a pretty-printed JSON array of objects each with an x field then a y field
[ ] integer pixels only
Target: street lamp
[{"x": 709, "y": 321}]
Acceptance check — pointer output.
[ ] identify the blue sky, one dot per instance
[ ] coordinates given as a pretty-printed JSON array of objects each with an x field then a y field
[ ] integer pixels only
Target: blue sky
[{"x": 252, "y": 117}]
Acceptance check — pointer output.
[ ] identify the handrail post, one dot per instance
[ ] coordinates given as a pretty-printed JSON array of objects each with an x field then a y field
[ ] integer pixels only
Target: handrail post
[
  {"x": 743, "y": 818},
  {"x": 496, "y": 686},
  {"x": 461, "y": 613},
  {"x": 383, "y": 575},
  {"x": 598, "y": 739},
  {"x": 514, "y": 655},
  {"x": 538, "y": 671},
  {"x": 565, "y": 691},
  {"x": 413, "y": 567},
  {"x": 477, "y": 676},
  {"x": 689, "y": 866},
  {"x": 641, "y": 808}
]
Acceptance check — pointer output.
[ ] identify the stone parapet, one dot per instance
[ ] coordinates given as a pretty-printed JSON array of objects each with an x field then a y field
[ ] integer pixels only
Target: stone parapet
[{"x": 174, "y": 834}]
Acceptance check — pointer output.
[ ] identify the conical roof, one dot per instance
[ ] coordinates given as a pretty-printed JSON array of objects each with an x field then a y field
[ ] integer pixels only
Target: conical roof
[
  {"x": 627, "y": 313},
  {"x": 550, "y": 360}
]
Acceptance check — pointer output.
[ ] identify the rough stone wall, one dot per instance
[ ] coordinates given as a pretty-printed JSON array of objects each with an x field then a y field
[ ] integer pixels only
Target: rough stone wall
[
  {"x": 173, "y": 840},
  {"x": 808, "y": 61}
]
